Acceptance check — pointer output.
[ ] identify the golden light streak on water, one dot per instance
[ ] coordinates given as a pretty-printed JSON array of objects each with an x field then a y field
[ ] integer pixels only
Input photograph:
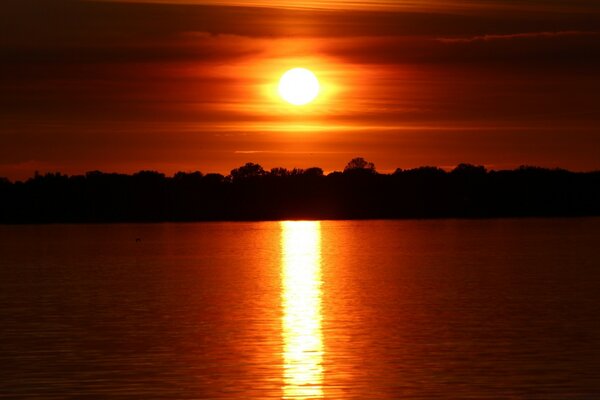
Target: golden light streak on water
[{"x": 301, "y": 300}]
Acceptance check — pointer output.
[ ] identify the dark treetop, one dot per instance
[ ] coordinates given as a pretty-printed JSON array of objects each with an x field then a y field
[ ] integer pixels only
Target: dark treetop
[{"x": 251, "y": 193}]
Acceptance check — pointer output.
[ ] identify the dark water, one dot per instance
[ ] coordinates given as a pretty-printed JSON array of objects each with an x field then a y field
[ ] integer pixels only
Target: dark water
[{"x": 336, "y": 309}]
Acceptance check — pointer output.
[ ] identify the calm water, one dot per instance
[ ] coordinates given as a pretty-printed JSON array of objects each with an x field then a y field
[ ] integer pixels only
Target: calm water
[{"x": 336, "y": 309}]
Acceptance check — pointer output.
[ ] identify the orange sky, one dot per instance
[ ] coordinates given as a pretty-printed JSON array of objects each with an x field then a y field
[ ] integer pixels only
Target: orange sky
[{"x": 116, "y": 86}]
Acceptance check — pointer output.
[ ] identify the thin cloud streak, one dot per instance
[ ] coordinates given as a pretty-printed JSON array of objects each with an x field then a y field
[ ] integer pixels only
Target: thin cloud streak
[
  {"x": 288, "y": 152},
  {"x": 389, "y": 5},
  {"x": 527, "y": 35}
]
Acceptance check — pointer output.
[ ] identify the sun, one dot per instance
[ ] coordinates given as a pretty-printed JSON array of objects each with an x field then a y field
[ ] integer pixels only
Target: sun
[{"x": 299, "y": 86}]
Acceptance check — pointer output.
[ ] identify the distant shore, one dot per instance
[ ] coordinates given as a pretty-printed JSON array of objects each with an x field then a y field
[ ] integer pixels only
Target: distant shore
[{"x": 251, "y": 193}]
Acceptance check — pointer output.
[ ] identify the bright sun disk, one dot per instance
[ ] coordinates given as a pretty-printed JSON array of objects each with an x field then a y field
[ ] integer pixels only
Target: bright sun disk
[{"x": 299, "y": 86}]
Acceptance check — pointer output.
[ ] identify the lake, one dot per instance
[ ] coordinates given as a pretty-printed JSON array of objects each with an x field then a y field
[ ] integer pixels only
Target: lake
[{"x": 332, "y": 309}]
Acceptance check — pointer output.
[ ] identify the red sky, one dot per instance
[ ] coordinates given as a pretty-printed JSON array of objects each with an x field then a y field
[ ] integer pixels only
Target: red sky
[{"x": 189, "y": 85}]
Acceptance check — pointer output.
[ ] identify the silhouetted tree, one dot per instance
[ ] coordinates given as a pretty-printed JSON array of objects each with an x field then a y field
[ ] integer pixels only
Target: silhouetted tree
[
  {"x": 213, "y": 178},
  {"x": 251, "y": 193},
  {"x": 313, "y": 171},
  {"x": 422, "y": 171},
  {"x": 359, "y": 163},
  {"x": 249, "y": 170},
  {"x": 188, "y": 176},
  {"x": 279, "y": 172},
  {"x": 469, "y": 169}
]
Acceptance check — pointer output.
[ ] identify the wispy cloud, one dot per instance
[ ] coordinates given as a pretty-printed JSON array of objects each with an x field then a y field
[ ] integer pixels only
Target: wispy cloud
[
  {"x": 289, "y": 152},
  {"x": 386, "y": 5},
  {"x": 526, "y": 35}
]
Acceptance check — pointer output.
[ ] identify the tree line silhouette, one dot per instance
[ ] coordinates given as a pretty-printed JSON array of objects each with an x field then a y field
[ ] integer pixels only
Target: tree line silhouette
[{"x": 252, "y": 193}]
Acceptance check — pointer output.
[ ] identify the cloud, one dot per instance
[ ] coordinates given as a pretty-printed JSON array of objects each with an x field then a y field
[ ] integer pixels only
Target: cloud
[
  {"x": 393, "y": 5},
  {"x": 552, "y": 50},
  {"x": 38, "y": 23},
  {"x": 513, "y": 36}
]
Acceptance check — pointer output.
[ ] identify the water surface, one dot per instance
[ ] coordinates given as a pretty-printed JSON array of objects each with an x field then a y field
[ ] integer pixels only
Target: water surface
[{"x": 332, "y": 309}]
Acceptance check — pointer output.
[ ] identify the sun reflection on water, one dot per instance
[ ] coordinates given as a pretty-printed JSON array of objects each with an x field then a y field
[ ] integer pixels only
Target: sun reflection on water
[{"x": 301, "y": 299}]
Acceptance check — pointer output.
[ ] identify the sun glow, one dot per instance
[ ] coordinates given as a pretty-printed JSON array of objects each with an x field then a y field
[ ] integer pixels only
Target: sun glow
[
  {"x": 301, "y": 300},
  {"x": 299, "y": 86}
]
